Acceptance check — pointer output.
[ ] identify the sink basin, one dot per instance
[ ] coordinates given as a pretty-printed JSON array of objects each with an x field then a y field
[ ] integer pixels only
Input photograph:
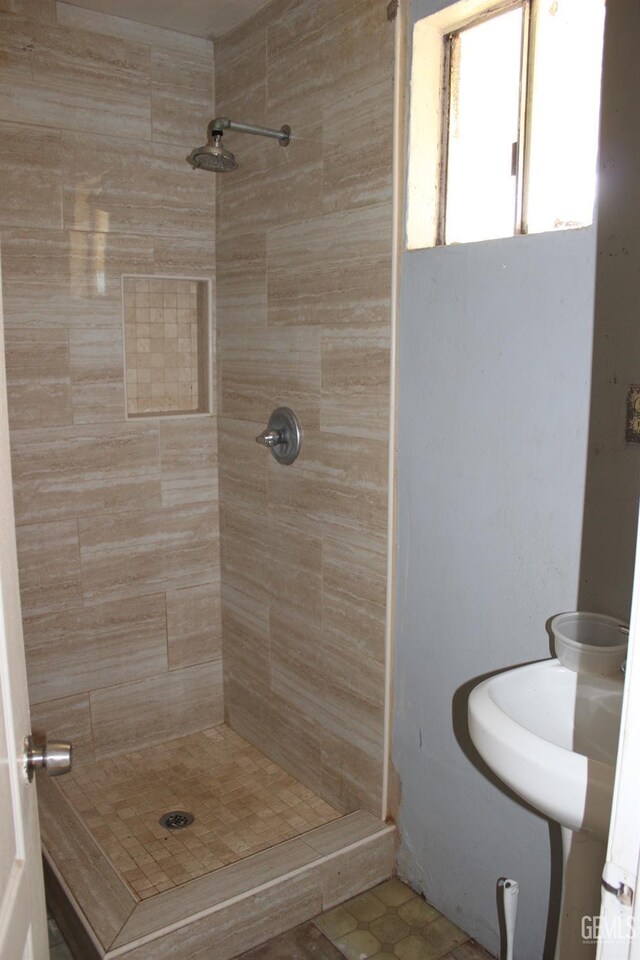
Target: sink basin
[{"x": 552, "y": 736}]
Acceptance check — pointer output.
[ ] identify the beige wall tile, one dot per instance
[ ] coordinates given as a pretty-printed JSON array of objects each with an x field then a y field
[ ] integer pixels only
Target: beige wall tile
[
  {"x": 240, "y": 67},
  {"x": 358, "y": 869},
  {"x": 245, "y": 632},
  {"x": 232, "y": 881},
  {"x": 308, "y": 72},
  {"x": 293, "y": 177},
  {"x": 74, "y": 651},
  {"x": 131, "y": 715},
  {"x": 245, "y": 553},
  {"x": 34, "y": 403},
  {"x": 331, "y": 270},
  {"x": 49, "y": 565},
  {"x": 184, "y": 256},
  {"x": 241, "y": 286},
  {"x": 295, "y": 560},
  {"x": 241, "y": 925},
  {"x": 134, "y": 554},
  {"x": 80, "y": 100},
  {"x": 197, "y": 487},
  {"x": 188, "y": 446},
  {"x": 66, "y": 918},
  {"x": 35, "y": 354},
  {"x": 70, "y": 15},
  {"x": 353, "y": 696},
  {"x": 38, "y": 377},
  {"x": 66, "y": 719},
  {"x": 355, "y": 380},
  {"x": 97, "y": 374},
  {"x": 327, "y": 265},
  {"x": 294, "y": 23},
  {"x": 194, "y": 628},
  {"x": 357, "y": 147},
  {"x": 354, "y": 596},
  {"x": 56, "y": 76},
  {"x": 98, "y": 889},
  {"x": 360, "y": 47},
  {"x": 181, "y": 96},
  {"x": 89, "y": 451},
  {"x": 55, "y": 498},
  {"x": 342, "y": 833},
  {"x": 50, "y": 276},
  {"x": 102, "y": 174},
  {"x": 40, "y": 10},
  {"x": 30, "y": 176},
  {"x": 352, "y": 772},
  {"x": 297, "y": 685},
  {"x": 281, "y": 368},
  {"x": 80, "y": 471},
  {"x": 243, "y": 465},
  {"x": 337, "y": 487},
  {"x": 244, "y": 201}
]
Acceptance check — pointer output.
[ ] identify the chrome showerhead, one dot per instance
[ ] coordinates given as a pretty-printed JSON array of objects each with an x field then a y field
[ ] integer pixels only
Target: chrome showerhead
[{"x": 213, "y": 156}]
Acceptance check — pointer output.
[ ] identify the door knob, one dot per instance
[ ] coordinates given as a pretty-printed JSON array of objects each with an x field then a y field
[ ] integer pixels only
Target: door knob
[{"x": 54, "y": 756}]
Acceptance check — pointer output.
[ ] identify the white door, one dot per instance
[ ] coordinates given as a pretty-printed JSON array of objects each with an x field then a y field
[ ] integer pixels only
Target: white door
[
  {"x": 620, "y": 917},
  {"x": 23, "y": 924}
]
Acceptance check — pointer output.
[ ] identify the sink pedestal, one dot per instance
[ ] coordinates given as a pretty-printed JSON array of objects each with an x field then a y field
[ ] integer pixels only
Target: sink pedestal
[{"x": 583, "y": 860}]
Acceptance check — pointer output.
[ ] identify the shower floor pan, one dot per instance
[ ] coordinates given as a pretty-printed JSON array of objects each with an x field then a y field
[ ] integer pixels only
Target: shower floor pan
[{"x": 262, "y": 853}]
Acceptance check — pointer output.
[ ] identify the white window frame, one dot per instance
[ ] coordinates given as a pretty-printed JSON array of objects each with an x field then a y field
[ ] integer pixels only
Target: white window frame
[
  {"x": 429, "y": 106},
  {"x": 520, "y": 166}
]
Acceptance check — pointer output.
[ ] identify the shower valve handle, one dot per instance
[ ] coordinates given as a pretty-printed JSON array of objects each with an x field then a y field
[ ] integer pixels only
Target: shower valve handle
[
  {"x": 282, "y": 436},
  {"x": 270, "y": 438}
]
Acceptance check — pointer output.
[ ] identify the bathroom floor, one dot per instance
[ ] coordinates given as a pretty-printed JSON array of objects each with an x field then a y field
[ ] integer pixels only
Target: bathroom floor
[
  {"x": 242, "y": 803},
  {"x": 389, "y": 922}
]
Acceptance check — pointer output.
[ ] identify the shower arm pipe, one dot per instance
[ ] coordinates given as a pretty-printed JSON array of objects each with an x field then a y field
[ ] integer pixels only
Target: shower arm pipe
[{"x": 223, "y": 123}]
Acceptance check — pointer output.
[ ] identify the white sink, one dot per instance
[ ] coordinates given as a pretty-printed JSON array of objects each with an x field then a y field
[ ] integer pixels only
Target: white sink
[{"x": 551, "y": 735}]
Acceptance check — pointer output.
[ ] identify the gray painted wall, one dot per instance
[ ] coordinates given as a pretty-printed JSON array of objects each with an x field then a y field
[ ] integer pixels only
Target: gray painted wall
[
  {"x": 495, "y": 346},
  {"x": 494, "y": 365}
]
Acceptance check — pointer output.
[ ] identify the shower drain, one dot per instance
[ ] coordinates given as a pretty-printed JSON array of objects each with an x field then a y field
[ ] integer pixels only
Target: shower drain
[{"x": 176, "y": 820}]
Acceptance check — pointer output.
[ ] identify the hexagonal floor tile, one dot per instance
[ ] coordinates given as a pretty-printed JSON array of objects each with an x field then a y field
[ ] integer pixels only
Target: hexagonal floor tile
[
  {"x": 416, "y": 912},
  {"x": 336, "y": 923},
  {"x": 359, "y": 945},
  {"x": 393, "y": 892},
  {"x": 389, "y": 928},
  {"x": 366, "y": 907}
]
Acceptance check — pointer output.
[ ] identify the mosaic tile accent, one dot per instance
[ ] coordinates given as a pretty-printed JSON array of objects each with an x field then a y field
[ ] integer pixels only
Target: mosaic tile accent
[
  {"x": 165, "y": 322},
  {"x": 392, "y": 922},
  {"x": 241, "y": 800}
]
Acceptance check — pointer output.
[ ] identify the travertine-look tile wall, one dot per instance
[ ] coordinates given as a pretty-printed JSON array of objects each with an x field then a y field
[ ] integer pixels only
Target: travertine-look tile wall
[
  {"x": 303, "y": 306},
  {"x": 117, "y": 520}
]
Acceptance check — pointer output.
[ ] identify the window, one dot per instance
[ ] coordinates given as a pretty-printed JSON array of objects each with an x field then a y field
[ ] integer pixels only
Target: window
[{"x": 504, "y": 119}]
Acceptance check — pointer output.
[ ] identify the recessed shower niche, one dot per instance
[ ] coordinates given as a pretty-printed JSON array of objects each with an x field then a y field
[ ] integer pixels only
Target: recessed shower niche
[{"x": 166, "y": 345}]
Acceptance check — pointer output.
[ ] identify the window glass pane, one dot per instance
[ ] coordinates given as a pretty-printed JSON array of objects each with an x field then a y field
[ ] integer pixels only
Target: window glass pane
[
  {"x": 565, "y": 114},
  {"x": 483, "y": 126}
]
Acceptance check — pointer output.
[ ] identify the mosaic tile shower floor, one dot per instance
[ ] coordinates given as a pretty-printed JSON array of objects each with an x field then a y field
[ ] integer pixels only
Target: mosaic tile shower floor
[{"x": 242, "y": 802}]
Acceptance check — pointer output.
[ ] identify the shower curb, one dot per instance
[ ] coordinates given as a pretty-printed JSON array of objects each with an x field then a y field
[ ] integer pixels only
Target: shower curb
[{"x": 225, "y": 912}]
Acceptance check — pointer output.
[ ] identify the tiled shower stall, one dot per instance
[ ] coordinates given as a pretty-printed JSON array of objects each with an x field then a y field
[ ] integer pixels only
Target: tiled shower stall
[{"x": 206, "y": 626}]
